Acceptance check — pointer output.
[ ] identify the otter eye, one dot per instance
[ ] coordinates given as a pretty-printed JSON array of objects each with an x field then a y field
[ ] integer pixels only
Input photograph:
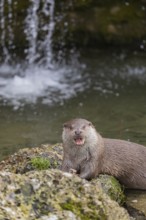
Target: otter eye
[
  {"x": 90, "y": 124},
  {"x": 70, "y": 127},
  {"x": 84, "y": 127}
]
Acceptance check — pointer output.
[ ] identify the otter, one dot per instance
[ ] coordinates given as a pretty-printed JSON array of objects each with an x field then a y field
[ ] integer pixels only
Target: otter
[{"x": 86, "y": 152}]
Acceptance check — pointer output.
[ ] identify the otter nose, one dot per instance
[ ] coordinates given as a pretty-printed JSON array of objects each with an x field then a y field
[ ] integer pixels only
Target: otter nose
[{"x": 77, "y": 132}]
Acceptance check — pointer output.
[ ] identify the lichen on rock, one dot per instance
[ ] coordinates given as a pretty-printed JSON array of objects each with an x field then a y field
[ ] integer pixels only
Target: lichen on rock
[
  {"x": 42, "y": 195},
  {"x": 33, "y": 187},
  {"x": 25, "y": 159},
  {"x": 112, "y": 188}
]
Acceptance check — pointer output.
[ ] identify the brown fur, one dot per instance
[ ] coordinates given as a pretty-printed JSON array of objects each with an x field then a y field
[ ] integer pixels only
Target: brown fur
[{"x": 124, "y": 160}]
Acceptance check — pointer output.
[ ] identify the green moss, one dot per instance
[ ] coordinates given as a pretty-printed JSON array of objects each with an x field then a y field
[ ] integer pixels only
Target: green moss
[
  {"x": 51, "y": 193},
  {"x": 55, "y": 164},
  {"x": 87, "y": 213},
  {"x": 112, "y": 188},
  {"x": 40, "y": 163}
]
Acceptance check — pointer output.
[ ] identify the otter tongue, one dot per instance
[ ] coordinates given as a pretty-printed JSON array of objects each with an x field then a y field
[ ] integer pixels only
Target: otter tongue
[{"x": 79, "y": 141}]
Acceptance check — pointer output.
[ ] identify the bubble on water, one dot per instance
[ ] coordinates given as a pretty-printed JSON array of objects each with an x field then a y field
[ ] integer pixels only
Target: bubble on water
[{"x": 142, "y": 46}]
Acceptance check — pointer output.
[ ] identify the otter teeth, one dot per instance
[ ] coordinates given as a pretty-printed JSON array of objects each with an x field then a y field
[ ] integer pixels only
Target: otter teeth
[{"x": 79, "y": 141}]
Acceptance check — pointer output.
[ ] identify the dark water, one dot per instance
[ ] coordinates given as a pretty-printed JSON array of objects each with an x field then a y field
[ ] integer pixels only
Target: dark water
[
  {"x": 136, "y": 199},
  {"x": 103, "y": 86}
]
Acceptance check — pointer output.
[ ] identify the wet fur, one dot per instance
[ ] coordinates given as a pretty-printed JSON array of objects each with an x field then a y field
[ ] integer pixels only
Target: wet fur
[{"x": 124, "y": 160}]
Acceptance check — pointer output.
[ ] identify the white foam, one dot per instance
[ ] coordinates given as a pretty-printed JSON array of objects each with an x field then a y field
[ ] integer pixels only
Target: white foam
[
  {"x": 27, "y": 86},
  {"x": 19, "y": 86}
]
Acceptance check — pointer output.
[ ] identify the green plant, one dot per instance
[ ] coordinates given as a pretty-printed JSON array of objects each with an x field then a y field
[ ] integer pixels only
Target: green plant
[{"x": 40, "y": 163}]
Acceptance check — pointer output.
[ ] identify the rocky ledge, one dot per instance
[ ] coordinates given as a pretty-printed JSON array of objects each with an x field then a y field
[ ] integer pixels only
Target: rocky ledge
[{"x": 32, "y": 186}]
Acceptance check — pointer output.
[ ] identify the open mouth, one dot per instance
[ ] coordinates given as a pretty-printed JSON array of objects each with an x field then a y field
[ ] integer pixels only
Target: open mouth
[{"x": 79, "y": 140}]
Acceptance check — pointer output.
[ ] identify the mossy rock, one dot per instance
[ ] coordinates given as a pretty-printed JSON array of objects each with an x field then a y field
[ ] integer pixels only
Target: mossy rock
[
  {"x": 50, "y": 157},
  {"x": 52, "y": 194},
  {"x": 113, "y": 188},
  {"x": 27, "y": 159}
]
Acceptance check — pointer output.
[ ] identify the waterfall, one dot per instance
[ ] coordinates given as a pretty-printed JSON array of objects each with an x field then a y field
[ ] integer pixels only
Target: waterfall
[
  {"x": 37, "y": 26},
  {"x": 6, "y": 30},
  {"x": 50, "y": 30},
  {"x": 31, "y": 31},
  {"x": 40, "y": 49},
  {"x": 27, "y": 70}
]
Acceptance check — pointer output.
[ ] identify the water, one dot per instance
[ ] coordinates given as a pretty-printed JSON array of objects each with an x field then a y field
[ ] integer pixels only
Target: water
[
  {"x": 19, "y": 87},
  {"x": 36, "y": 77},
  {"x": 37, "y": 94},
  {"x": 40, "y": 50},
  {"x": 136, "y": 199},
  {"x": 107, "y": 90}
]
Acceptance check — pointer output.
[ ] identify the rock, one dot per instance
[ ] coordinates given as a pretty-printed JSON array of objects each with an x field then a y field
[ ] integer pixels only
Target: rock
[
  {"x": 29, "y": 159},
  {"x": 52, "y": 194},
  {"x": 135, "y": 203},
  {"x": 22, "y": 161},
  {"x": 33, "y": 187},
  {"x": 80, "y": 23},
  {"x": 100, "y": 24},
  {"x": 112, "y": 188}
]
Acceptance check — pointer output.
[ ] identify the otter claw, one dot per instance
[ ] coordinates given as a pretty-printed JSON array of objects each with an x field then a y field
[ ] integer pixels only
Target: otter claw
[{"x": 73, "y": 171}]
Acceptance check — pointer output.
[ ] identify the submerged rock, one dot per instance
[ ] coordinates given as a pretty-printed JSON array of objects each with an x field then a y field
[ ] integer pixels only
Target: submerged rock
[
  {"x": 52, "y": 194},
  {"x": 136, "y": 203}
]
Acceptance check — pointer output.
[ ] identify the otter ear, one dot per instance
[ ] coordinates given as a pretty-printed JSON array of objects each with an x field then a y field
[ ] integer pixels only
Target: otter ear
[
  {"x": 65, "y": 125},
  {"x": 90, "y": 124}
]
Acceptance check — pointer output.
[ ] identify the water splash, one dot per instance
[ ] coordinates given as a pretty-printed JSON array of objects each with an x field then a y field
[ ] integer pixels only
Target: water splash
[
  {"x": 48, "y": 86},
  {"x": 40, "y": 79}
]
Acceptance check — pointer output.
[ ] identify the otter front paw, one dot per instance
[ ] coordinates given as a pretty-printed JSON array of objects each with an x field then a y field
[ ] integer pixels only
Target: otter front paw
[
  {"x": 85, "y": 176},
  {"x": 73, "y": 171}
]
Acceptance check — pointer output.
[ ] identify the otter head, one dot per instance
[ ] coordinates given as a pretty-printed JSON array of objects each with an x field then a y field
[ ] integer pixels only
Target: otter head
[{"x": 78, "y": 132}]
